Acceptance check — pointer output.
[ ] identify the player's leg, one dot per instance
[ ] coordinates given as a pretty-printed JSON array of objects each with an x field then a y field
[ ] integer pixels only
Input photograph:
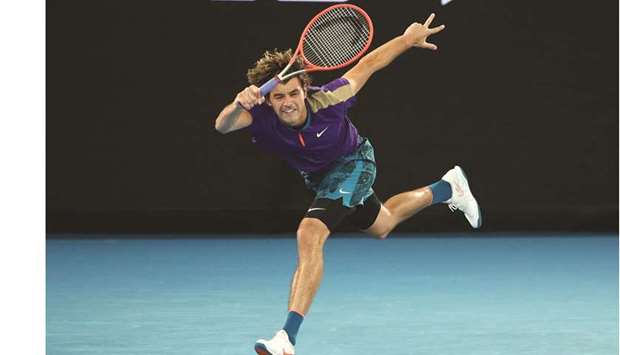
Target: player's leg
[
  {"x": 324, "y": 215},
  {"x": 399, "y": 208},
  {"x": 311, "y": 236},
  {"x": 452, "y": 188}
]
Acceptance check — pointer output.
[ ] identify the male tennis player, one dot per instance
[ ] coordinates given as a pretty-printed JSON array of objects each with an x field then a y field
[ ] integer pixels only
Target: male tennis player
[{"x": 311, "y": 131}]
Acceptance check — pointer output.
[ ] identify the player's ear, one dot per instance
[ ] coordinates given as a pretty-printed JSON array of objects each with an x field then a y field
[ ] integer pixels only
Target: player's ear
[{"x": 267, "y": 100}]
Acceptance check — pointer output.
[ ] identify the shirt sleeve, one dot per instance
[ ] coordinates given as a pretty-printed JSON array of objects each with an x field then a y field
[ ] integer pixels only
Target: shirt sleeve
[{"x": 335, "y": 93}]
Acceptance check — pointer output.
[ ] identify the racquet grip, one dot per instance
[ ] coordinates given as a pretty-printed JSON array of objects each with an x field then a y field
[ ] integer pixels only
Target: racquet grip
[{"x": 268, "y": 86}]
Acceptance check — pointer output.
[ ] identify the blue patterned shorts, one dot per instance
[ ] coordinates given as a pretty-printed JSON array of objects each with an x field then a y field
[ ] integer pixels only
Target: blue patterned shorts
[{"x": 351, "y": 177}]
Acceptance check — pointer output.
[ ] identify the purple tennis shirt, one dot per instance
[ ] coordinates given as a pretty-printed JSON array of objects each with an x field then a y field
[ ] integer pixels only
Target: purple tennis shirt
[{"x": 327, "y": 135}]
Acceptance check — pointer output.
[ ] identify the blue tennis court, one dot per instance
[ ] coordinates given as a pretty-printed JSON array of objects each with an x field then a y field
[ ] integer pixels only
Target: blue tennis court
[{"x": 430, "y": 294}]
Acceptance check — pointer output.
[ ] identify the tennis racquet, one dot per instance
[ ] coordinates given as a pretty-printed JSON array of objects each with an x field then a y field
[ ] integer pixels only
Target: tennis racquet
[{"x": 333, "y": 39}]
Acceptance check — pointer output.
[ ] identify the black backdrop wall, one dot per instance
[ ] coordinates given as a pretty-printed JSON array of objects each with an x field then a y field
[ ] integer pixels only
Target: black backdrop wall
[{"x": 522, "y": 94}]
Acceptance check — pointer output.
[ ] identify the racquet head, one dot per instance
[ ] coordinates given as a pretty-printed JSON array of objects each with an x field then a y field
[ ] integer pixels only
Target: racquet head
[{"x": 335, "y": 37}]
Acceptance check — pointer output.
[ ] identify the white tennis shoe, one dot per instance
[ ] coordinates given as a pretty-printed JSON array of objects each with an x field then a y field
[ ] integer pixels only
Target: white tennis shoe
[
  {"x": 462, "y": 198},
  {"x": 278, "y": 345}
]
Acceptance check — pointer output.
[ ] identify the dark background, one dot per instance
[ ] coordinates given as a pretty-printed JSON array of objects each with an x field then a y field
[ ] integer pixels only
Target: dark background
[{"x": 521, "y": 94}]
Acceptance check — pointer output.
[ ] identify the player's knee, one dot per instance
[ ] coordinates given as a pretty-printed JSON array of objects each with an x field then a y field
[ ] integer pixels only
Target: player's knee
[
  {"x": 382, "y": 232},
  {"x": 308, "y": 239},
  {"x": 383, "y": 225},
  {"x": 311, "y": 235}
]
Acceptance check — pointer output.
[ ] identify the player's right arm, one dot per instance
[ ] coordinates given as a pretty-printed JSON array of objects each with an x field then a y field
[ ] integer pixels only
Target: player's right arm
[{"x": 236, "y": 116}]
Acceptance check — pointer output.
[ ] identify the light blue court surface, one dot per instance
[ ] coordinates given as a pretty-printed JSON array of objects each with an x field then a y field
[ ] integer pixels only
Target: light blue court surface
[{"x": 424, "y": 296}]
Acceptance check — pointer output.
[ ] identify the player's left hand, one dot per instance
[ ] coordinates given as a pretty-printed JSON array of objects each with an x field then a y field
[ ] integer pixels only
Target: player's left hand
[{"x": 416, "y": 33}]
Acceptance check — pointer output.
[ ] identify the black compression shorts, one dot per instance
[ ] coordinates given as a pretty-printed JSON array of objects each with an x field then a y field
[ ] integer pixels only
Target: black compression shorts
[{"x": 333, "y": 212}]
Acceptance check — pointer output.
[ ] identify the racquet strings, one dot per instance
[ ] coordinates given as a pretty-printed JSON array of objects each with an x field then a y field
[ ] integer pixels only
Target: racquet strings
[{"x": 336, "y": 37}]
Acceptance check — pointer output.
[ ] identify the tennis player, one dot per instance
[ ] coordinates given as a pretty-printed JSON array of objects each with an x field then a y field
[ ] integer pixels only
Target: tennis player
[{"x": 311, "y": 131}]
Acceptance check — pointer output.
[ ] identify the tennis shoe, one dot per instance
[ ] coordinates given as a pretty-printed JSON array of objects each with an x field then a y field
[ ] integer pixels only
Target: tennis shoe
[
  {"x": 462, "y": 198},
  {"x": 278, "y": 345}
]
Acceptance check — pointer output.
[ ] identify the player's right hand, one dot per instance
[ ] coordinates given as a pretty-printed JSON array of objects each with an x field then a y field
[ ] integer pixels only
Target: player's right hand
[{"x": 250, "y": 97}]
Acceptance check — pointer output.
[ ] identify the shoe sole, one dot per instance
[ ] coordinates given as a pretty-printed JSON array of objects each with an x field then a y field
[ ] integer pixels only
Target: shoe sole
[
  {"x": 261, "y": 350},
  {"x": 472, "y": 195}
]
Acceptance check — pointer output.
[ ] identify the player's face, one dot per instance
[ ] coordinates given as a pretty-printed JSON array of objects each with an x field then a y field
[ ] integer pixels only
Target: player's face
[{"x": 288, "y": 101}]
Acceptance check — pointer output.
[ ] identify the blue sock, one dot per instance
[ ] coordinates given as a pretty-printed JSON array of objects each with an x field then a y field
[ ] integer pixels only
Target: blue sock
[
  {"x": 293, "y": 322},
  {"x": 442, "y": 191}
]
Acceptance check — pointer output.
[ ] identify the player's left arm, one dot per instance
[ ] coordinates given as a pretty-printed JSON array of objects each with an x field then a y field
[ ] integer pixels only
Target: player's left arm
[{"x": 414, "y": 36}]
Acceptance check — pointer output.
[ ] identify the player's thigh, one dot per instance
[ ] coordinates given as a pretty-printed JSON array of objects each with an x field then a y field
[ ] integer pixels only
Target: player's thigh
[
  {"x": 330, "y": 212},
  {"x": 366, "y": 214},
  {"x": 382, "y": 225}
]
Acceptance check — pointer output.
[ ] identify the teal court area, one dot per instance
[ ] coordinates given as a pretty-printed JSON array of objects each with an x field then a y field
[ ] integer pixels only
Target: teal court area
[{"x": 409, "y": 294}]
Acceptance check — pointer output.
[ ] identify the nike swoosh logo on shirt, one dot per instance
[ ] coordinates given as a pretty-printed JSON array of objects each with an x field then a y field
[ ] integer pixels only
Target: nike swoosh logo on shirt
[
  {"x": 344, "y": 192},
  {"x": 316, "y": 209},
  {"x": 319, "y": 134}
]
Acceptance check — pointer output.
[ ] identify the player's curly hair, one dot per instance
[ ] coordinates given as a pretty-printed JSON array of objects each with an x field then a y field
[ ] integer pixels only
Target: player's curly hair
[{"x": 272, "y": 63}]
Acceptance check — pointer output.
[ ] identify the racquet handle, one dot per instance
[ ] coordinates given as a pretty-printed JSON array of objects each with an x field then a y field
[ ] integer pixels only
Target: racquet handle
[{"x": 268, "y": 86}]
